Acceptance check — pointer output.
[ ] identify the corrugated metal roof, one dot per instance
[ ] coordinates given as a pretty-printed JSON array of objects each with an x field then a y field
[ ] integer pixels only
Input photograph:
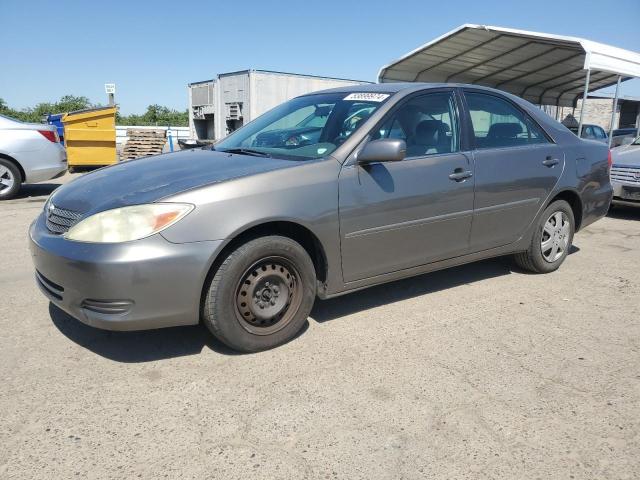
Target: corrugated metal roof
[
  {"x": 542, "y": 68},
  {"x": 275, "y": 72}
]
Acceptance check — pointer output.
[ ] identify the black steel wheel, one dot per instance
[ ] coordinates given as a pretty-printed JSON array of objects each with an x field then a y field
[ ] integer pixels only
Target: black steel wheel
[
  {"x": 268, "y": 295},
  {"x": 261, "y": 294}
]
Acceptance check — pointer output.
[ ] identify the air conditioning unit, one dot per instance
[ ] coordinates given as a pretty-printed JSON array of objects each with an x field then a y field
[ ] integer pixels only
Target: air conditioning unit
[{"x": 234, "y": 111}]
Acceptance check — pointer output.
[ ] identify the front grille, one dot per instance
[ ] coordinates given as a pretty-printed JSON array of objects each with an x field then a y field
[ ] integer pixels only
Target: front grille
[
  {"x": 626, "y": 174},
  {"x": 60, "y": 220}
]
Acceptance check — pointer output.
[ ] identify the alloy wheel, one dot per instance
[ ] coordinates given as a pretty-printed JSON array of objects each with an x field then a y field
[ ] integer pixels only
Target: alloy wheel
[{"x": 6, "y": 179}]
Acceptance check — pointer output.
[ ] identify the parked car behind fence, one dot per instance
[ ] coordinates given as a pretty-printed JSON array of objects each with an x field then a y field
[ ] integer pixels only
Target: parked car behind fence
[{"x": 591, "y": 132}]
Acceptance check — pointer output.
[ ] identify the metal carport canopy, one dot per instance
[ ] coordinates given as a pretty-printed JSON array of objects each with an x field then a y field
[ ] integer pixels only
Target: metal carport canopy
[{"x": 542, "y": 68}]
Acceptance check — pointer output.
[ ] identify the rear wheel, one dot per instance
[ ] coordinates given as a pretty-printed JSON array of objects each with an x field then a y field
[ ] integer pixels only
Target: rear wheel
[
  {"x": 261, "y": 294},
  {"x": 10, "y": 179},
  {"x": 551, "y": 241}
]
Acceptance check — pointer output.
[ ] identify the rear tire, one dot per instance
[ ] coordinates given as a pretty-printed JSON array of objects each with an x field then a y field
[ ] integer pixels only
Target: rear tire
[
  {"x": 10, "y": 179},
  {"x": 261, "y": 294},
  {"x": 551, "y": 240}
]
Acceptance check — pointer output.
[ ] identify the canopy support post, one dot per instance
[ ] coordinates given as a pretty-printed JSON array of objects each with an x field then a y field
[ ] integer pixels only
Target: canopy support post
[
  {"x": 613, "y": 110},
  {"x": 584, "y": 101}
]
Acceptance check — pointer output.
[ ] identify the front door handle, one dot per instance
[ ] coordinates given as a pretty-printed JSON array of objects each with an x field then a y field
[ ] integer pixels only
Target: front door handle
[
  {"x": 550, "y": 162},
  {"x": 460, "y": 175}
]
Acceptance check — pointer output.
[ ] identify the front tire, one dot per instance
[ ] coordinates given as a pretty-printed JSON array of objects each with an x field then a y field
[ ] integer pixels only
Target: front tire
[
  {"x": 261, "y": 294},
  {"x": 551, "y": 240},
  {"x": 10, "y": 179}
]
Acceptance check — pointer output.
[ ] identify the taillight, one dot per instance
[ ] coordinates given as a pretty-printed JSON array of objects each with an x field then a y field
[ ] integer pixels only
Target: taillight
[
  {"x": 609, "y": 161},
  {"x": 49, "y": 135}
]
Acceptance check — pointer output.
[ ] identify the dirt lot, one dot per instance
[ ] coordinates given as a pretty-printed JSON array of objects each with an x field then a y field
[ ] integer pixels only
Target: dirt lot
[{"x": 477, "y": 372}]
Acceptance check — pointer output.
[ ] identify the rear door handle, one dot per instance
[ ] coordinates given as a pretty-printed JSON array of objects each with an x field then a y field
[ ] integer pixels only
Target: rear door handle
[
  {"x": 459, "y": 175},
  {"x": 550, "y": 162}
]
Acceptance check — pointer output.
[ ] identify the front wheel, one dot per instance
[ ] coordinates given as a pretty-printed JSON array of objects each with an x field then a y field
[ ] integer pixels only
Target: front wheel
[
  {"x": 261, "y": 294},
  {"x": 551, "y": 241}
]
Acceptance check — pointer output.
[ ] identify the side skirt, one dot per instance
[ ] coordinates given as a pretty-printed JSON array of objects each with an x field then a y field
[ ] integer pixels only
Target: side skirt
[{"x": 350, "y": 287}]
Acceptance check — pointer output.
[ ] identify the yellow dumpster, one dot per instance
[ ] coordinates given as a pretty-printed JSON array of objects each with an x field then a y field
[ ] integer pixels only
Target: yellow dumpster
[{"x": 90, "y": 137}]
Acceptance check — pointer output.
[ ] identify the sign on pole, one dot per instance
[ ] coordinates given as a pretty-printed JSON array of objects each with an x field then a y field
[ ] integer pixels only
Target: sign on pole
[{"x": 110, "y": 88}]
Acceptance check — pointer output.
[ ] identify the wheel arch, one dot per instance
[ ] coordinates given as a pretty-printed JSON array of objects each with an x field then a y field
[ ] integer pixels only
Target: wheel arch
[
  {"x": 286, "y": 228},
  {"x": 23, "y": 174},
  {"x": 573, "y": 199}
]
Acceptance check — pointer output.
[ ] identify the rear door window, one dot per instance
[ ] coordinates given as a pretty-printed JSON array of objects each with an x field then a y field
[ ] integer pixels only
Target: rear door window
[{"x": 497, "y": 123}]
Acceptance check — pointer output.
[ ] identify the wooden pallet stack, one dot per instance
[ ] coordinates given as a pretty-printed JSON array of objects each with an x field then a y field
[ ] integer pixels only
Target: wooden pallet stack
[{"x": 142, "y": 143}]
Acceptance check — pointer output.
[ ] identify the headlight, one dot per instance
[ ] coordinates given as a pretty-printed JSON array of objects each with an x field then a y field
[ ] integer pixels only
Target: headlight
[{"x": 128, "y": 223}]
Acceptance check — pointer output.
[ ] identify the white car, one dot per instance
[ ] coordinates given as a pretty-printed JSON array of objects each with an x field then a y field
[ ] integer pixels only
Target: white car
[
  {"x": 625, "y": 174},
  {"x": 29, "y": 153}
]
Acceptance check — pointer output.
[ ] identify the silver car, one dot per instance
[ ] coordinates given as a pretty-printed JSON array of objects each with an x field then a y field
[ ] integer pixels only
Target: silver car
[
  {"x": 29, "y": 153},
  {"x": 324, "y": 195},
  {"x": 625, "y": 174}
]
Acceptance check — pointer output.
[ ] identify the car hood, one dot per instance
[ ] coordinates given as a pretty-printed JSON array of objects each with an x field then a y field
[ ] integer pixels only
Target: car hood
[
  {"x": 150, "y": 179},
  {"x": 628, "y": 155}
]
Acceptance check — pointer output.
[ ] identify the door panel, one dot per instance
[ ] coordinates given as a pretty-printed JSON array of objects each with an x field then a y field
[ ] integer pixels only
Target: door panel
[
  {"x": 511, "y": 186},
  {"x": 516, "y": 166},
  {"x": 397, "y": 215}
]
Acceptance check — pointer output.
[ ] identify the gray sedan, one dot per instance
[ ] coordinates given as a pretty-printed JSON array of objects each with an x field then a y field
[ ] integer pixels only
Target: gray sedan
[
  {"x": 384, "y": 182},
  {"x": 625, "y": 174}
]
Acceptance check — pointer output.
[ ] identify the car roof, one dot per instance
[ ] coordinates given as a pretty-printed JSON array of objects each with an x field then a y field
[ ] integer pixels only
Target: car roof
[
  {"x": 394, "y": 87},
  {"x": 554, "y": 128},
  {"x": 4, "y": 120},
  {"x": 10, "y": 123}
]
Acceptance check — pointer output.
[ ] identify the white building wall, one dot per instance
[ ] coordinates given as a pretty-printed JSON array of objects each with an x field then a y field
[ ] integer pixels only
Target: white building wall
[
  {"x": 272, "y": 89},
  {"x": 192, "y": 128},
  {"x": 256, "y": 92}
]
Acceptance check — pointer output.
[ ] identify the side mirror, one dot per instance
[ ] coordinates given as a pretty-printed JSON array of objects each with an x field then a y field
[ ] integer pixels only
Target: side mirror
[{"x": 383, "y": 150}]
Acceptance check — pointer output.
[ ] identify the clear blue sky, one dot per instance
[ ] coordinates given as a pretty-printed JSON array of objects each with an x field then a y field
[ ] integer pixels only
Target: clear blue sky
[{"x": 152, "y": 49}]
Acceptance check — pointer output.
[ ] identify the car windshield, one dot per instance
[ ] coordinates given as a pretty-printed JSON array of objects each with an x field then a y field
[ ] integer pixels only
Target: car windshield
[{"x": 305, "y": 128}]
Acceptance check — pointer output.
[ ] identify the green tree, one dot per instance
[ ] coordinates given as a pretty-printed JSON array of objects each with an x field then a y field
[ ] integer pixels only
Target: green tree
[
  {"x": 155, "y": 114},
  {"x": 67, "y": 103},
  {"x": 6, "y": 110}
]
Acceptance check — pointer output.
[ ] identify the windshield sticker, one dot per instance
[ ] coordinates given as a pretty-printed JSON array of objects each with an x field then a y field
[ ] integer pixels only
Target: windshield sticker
[
  {"x": 371, "y": 97},
  {"x": 321, "y": 151}
]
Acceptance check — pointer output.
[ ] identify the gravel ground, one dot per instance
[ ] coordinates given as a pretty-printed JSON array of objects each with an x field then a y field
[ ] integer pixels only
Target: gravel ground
[{"x": 480, "y": 371}]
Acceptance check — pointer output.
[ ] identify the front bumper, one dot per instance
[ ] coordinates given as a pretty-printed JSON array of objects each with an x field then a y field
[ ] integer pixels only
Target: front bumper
[
  {"x": 144, "y": 284},
  {"x": 626, "y": 193}
]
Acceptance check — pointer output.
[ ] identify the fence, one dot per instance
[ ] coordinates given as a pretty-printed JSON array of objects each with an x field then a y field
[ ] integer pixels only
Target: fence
[{"x": 176, "y": 132}]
